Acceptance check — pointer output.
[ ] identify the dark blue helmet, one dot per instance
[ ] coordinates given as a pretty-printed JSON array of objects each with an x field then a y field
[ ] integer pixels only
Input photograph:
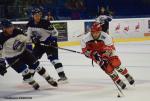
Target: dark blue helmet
[
  {"x": 36, "y": 11},
  {"x": 6, "y": 23}
]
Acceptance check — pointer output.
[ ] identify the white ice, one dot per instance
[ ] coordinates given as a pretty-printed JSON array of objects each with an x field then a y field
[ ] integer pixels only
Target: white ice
[{"x": 86, "y": 83}]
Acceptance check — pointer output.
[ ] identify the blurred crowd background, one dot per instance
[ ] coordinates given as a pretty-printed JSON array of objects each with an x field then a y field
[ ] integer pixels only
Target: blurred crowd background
[{"x": 74, "y": 9}]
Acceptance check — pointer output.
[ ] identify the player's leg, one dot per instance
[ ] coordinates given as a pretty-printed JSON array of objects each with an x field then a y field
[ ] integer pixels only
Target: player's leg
[
  {"x": 116, "y": 63},
  {"x": 42, "y": 71},
  {"x": 113, "y": 74},
  {"x": 37, "y": 51},
  {"x": 52, "y": 54},
  {"x": 20, "y": 67},
  {"x": 27, "y": 77},
  {"x": 59, "y": 67},
  {"x": 106, "y": 66},
  {"x": 34, "y": 65}
]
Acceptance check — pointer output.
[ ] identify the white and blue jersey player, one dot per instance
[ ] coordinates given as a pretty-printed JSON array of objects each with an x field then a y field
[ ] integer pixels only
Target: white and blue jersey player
[
  {"x": 104, "y": 21},
  {"x": 44, "y": 36},
  {"x": 13, "y": 50}
]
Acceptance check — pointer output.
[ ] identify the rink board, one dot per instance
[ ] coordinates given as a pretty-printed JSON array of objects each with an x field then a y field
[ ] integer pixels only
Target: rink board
[{"x": 75, "y": 43}]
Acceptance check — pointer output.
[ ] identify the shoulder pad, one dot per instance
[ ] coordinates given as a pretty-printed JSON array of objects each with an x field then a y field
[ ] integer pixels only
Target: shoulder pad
[
  {"x": 106, "y": 38},
  {"x": 103, "y": 37}
]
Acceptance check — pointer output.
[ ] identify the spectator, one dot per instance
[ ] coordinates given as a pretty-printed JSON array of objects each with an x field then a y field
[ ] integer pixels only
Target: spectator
[
  {"x": 49, "y": 16},
  {"x": 104, "y": 11},
  {"x": 76, "y": 7}
]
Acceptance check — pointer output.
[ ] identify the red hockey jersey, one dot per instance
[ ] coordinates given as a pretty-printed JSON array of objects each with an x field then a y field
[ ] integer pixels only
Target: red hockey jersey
[{"x": 101, "y": 45}]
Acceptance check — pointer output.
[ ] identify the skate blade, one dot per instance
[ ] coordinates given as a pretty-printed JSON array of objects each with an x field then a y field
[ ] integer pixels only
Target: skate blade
[{"x": 63, "y": 82}]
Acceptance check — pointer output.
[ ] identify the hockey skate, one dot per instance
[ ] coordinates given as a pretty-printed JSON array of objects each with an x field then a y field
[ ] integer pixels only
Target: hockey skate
[
  {"x": 130, "y": 79},
  {"x": 32, "y": 74},
  {"x": 34, "y": 84},
  {"x": 63, "y": 80},
  {"x": 51, "y": 81},
  {"x": 121, "y": 84}
]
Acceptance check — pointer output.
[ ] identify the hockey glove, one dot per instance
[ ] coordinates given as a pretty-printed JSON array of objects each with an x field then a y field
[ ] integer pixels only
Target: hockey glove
[
  {"x": 88, "y": 53},
  {"x": 2, "y": 67},
  {"x": 36, "y": 37},
  {"x": 99, "y": 60}
]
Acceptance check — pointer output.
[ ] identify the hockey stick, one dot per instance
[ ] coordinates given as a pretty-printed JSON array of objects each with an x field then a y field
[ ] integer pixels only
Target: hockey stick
[
  {"x": 13, "y": 63},
  {"x": 77, "y": 36},
  {"x": 66, "y": 50},
  {"x": 120, "y": 93},
  {"x": 61, "y": 48}
]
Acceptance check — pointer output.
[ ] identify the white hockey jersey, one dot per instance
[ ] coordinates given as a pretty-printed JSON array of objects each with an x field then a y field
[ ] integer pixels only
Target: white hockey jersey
[
  {"x": 102, "y": 19},
  {"x": 43, "y": 29},
  {"x": 13, "y": 45}
]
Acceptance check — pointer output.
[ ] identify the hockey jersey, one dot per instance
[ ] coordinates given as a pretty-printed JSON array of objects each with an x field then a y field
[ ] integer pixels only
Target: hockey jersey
[
  {"x": 43, "y": 29},
  {"x": 102, "y": 19},
  {"x": 101, "y": 45},
  {"x": 8, "y": 44}
]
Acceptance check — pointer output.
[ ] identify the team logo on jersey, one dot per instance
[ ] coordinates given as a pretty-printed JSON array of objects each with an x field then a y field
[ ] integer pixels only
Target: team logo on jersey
[{"x": 103, "y": 37}]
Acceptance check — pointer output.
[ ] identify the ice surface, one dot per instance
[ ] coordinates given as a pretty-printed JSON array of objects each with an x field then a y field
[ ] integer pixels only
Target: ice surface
[{"x": 85, "y": 82}]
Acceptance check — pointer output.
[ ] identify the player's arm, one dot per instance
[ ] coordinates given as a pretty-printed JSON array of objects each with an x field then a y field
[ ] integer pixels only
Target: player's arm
[
  {"x": 109, "y": 55},
  {"x": 94, "y": 55},
  {"x": 109, "y": 48},
  {"x": 20, "y": 40},
  {"x": 28, "y": 33},
  {"x": 103, "y": 19},
  {"x": 85, "y": 50},
  {"x": 52, "y": 30},
  {"x": 109, "y": 18},
  {"x": 33, "y": 36},
  {"x": 21, "y": 35},
  {"x": 3, "y": 68}
]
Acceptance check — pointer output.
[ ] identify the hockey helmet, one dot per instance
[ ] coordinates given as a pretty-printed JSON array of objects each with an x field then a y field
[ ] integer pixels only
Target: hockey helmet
[
  {"x": 6, "y": 23},
  {"x": 36, "y": 11},
  {"x": 96, "y": 27}
]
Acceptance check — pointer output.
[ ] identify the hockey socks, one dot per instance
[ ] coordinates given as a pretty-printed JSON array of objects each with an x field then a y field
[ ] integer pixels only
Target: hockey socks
[
  {"x": 41, "y": 71},
  {"x": 27, "y": 77},
  {"x": 59, "y": 69},
  {"x": 124, "y": 72}
]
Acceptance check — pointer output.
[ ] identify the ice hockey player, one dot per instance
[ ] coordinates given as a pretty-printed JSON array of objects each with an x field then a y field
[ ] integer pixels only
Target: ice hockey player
[
  {"x": 42, "y": 32},
  {"x": 104, "y": 21},
  {"x": 13, "y": 50},
  {"x": 98, "y": 46}
]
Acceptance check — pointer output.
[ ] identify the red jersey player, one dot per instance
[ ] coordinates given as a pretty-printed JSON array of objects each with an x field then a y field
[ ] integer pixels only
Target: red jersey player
[{"x": 99, "y": 46}]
